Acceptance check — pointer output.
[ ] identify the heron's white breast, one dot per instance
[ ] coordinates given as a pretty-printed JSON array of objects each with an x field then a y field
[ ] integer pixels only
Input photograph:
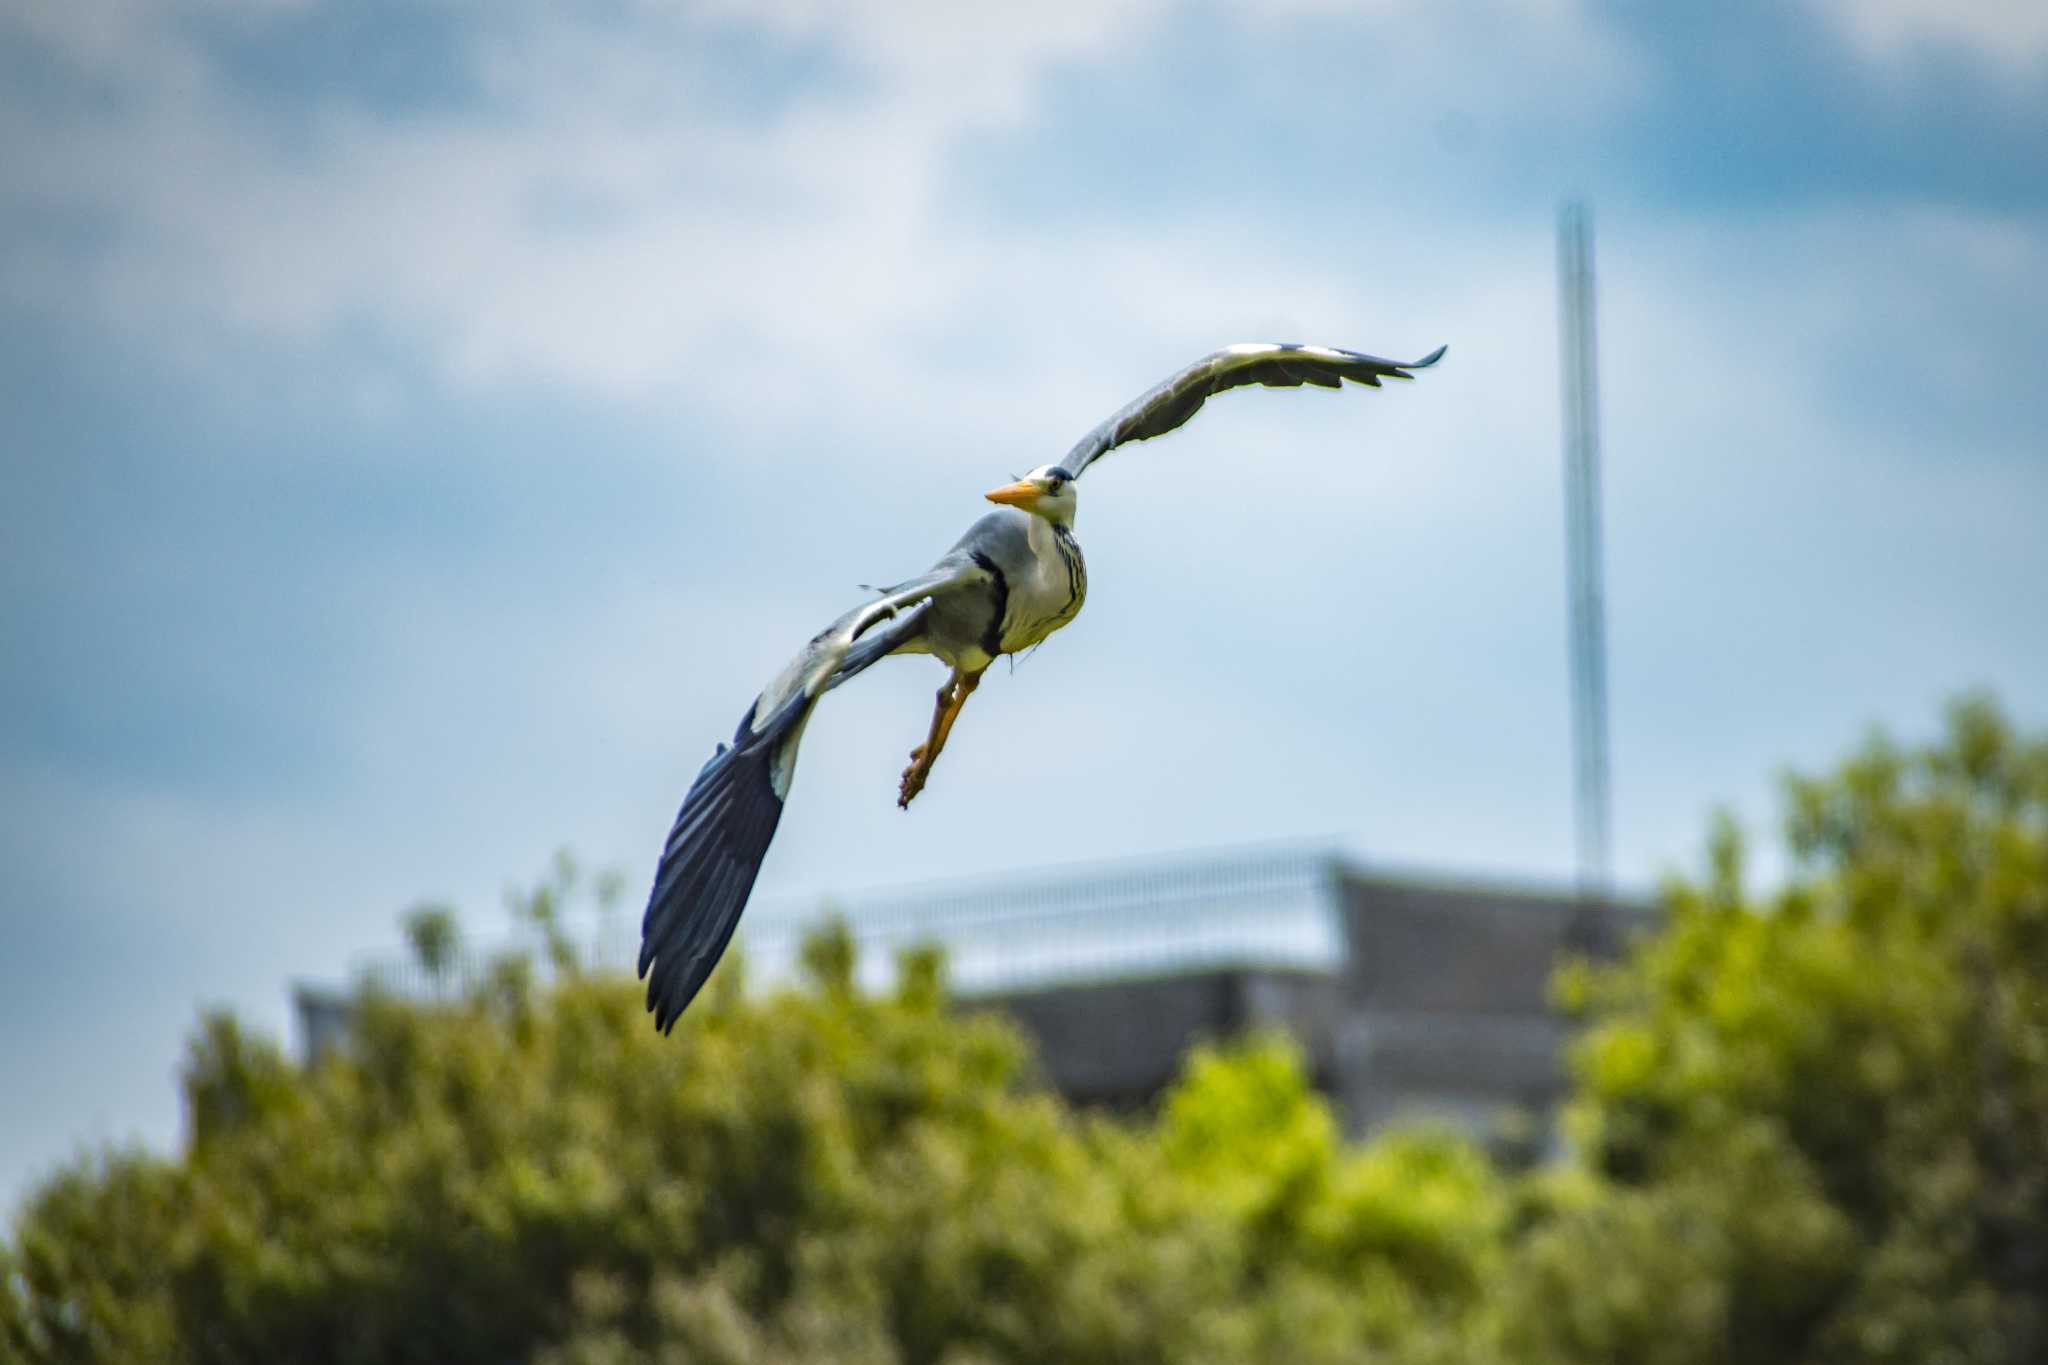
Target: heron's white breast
[{"x": 1050, "y": 595}]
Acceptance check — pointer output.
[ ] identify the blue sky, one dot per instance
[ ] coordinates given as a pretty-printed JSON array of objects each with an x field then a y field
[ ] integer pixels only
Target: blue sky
[{"x": 427, "y": 424}]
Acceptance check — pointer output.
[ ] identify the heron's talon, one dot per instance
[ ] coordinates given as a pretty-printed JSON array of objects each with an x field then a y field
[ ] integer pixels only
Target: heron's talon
[{"x": 913, "y": 777}]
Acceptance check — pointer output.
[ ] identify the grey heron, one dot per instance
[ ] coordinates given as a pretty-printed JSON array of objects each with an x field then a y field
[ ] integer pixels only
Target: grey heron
[{"x": 1014, "y": 578}]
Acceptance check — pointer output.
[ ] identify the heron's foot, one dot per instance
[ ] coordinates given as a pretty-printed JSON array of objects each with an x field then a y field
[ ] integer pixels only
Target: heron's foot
[
  {"x": 913, "y": 776},
  {"x": 946, "y": 710}
]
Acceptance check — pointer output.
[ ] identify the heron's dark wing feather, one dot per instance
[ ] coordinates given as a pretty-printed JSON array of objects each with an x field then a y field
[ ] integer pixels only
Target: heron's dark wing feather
[
  {"x": 708, "y": 866},
  {"x": 1275, "y": 364},
  {"x": 721, "y": 834}
]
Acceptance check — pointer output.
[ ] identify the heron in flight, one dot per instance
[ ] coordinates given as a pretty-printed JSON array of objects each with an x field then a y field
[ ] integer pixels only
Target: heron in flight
[{"x": 1014, "y": 578}]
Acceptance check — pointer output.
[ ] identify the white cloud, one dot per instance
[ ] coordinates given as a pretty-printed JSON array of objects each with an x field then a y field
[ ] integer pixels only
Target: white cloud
[
  {"x": 600, "y": 225},
  {"x": 810, "y": 231},
  {"x": 2011, "y": 34}
]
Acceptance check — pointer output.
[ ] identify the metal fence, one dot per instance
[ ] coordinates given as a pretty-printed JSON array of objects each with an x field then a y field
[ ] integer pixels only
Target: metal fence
[{"x": 1271, "y": 907}]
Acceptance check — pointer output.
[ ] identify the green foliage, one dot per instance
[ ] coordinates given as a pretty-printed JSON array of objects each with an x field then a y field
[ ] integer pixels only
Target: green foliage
[
  {"x": 1831, "y": 1102},
  {"x": 535, "y": 1174},
  {"x": 1809, "y": 1126},
  {"x": 435, "y": 938}
]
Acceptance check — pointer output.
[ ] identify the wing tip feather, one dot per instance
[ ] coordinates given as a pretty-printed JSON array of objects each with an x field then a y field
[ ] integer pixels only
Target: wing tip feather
[{"x": 709, "y": 864}]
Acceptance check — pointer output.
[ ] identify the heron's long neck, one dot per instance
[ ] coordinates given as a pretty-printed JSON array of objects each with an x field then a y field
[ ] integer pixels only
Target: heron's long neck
[
  {"x": 1053, "y": 543},
  {"x": 1045, "y": 535}
]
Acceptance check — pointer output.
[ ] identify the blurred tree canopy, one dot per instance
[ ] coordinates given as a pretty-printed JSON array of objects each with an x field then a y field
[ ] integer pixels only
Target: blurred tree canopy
[
  {"x": 1808, "y": 1126},
  {"x": 1819, "y": 1118}
]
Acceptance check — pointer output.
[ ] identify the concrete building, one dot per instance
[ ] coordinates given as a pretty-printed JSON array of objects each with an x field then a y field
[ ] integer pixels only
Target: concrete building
[{"x": 1413, "y": 998}]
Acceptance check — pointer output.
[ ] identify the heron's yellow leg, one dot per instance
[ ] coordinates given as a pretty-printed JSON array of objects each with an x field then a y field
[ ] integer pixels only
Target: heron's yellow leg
[{"x": 951, "y": 698}]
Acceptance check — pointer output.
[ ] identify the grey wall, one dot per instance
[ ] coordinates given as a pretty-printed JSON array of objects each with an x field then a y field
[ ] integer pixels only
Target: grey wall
[{"x": 1440, "y": 1010}]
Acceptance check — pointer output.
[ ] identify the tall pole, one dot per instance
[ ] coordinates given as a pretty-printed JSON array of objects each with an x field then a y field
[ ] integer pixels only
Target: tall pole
[{"x": 1577, "y": 346}]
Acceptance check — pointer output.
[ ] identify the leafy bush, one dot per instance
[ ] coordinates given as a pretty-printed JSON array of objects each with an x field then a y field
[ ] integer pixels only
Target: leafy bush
[{"x": 1809, "y": 1126}]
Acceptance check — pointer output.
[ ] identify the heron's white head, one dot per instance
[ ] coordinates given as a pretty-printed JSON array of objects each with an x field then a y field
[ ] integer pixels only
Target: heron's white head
[{"x": 1047, "y": 491}]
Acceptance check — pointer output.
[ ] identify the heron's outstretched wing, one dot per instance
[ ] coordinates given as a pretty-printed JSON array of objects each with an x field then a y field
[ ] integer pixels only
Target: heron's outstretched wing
[
  {"x": 722, "y": 832},
  {"x": 1273, "y": 363}
]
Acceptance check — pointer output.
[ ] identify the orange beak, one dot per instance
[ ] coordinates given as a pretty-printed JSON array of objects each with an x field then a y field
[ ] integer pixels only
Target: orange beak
[{"x": 1019, "y": 494}]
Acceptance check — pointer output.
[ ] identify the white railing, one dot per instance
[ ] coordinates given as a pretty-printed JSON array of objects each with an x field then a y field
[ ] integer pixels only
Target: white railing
[{"x": 1272, "y": 907}]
